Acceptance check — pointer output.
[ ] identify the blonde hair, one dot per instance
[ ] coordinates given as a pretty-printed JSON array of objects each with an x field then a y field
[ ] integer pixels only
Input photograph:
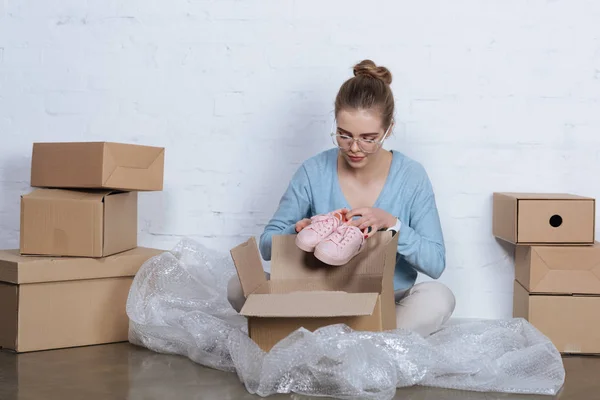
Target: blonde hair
[{"x": 368, "y": 89}]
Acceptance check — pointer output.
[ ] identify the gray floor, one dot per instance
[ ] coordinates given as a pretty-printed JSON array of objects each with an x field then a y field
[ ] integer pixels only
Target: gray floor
[{"x": 123, "y": 371}]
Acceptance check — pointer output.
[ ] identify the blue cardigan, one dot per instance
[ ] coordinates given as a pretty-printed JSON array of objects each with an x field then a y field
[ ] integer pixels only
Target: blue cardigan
[{"x": 407, "y": 194}]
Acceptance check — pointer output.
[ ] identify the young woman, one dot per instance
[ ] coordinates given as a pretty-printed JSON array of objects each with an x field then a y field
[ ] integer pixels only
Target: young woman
[{"x": 377, "y": 189}]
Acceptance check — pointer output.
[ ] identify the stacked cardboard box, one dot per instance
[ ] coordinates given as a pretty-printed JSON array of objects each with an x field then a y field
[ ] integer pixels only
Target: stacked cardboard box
[
  {"x": 68, "y": 284},
  {"x": 557, "y": 265}
]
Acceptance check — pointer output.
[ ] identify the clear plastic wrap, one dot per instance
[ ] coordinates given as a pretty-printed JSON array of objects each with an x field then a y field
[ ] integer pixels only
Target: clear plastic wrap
[{"x": 178, "y": 305}]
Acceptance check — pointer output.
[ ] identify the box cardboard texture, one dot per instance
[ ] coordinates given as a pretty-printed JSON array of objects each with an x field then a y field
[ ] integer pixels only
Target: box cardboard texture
[
  {"x": 540, "y": 218},
  {"x": 559, "y": 269},
  {"x": 571, "y": 322},
  {"x": 97, "y": 165},
  {"x": 51, "y": 303},
  {"x": 304, "y": 292},
  {"x": 59, "y": 222}
]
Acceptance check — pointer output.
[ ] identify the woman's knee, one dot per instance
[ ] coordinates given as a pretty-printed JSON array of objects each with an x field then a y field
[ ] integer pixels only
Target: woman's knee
[
  {"x": 440, "y": 298},
  {"x": 235, "y": 294},
  {"x": 425, "y": 308}
]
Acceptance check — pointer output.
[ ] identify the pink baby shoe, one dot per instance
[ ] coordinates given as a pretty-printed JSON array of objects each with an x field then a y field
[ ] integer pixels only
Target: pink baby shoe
[
  {"x": 321, "y": 227},
  {"x": 341, "y": 246}
]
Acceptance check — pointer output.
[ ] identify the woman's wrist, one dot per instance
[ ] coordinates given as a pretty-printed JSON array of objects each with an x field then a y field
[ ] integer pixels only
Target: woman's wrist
[
  {"x": 392, "y": 221},
  {"x": 395, "y": 226}
]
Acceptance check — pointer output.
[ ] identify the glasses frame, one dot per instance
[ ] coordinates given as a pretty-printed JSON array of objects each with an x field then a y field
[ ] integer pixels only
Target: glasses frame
[{"x": 378, "y": 143}]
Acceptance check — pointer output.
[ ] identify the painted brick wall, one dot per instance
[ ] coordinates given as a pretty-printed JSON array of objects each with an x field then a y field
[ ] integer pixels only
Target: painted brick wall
[{"x": 491, "y": 96}]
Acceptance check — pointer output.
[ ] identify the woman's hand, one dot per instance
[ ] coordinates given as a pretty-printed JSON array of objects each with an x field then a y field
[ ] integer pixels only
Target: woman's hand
[
  {"x": 302, "y": 224},
  {"x": 375, "y": 218}
]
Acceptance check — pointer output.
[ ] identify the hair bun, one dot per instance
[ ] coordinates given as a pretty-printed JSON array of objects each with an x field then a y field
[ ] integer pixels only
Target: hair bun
[{"x": 369, "y": 68}]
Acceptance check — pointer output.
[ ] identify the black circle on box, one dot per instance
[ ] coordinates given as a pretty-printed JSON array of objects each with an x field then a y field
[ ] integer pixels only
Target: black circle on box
[{"x": 556, "y": 221}]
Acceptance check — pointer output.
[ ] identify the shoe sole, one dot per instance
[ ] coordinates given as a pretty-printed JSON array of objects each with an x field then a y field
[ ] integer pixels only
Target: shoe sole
[
  {"x": 327, "y": 259},
  {"x": 304, "y": 247}
]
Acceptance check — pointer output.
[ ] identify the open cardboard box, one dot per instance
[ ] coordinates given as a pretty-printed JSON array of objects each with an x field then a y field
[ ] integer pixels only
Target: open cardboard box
[{"x": 304, "y": 292}]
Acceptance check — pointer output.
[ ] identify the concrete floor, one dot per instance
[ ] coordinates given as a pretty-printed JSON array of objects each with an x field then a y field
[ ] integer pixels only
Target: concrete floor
[{"x": 123, "y": 371}]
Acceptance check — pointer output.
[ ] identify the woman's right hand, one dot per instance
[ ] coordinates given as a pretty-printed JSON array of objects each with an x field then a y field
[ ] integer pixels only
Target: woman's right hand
[{"x": 302, "y": 224}]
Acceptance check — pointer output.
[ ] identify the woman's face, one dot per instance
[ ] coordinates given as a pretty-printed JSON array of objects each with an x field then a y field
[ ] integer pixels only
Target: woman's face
[{"x": 365, "y": 125}]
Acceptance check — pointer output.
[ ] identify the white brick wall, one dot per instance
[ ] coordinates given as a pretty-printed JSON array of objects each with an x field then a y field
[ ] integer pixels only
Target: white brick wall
[{"x": 492, "y": 96}]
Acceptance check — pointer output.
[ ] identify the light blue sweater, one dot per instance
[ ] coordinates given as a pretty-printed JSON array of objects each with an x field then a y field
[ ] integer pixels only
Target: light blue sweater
[{"x": 407, "y": 194}]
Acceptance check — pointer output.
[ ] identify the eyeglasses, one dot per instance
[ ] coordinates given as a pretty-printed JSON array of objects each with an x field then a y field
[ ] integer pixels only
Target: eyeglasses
[{"x": 345, "y": 142}]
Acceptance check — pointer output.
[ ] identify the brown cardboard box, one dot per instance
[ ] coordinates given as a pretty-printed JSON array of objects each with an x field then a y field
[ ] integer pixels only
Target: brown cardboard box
[
  {"x": 559, "y": 269},
  {"x": 543, "y": 218},
  {"x": 571, "y": 322},
  {"x": 97, "y": 165},
  {"x": 303, "y": 292},
  {"x": 60, "y": 222},
  {"x": 50, "y": 303}
]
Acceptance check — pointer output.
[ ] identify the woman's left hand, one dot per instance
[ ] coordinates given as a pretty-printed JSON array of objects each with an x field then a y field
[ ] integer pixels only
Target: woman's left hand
[{"x": 375, "y": 218}]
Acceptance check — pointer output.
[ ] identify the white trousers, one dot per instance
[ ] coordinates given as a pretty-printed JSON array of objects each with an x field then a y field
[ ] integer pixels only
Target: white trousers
[{"x": 424, "y": 308}]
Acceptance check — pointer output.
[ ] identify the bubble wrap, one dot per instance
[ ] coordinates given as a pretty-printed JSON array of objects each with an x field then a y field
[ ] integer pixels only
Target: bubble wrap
[{"x": 178, "y": 305}]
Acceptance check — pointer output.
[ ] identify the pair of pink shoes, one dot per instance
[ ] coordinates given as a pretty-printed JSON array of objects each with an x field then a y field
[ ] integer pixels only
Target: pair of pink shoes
[{"x": 332, "y": 241}]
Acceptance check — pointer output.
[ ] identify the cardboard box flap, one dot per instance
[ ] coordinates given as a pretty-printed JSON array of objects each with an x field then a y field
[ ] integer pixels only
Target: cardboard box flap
[
  {"x": 545, "y": 196},
  {"x": 124, "y": 163},
  {"x": 585, "y": 258},
  {"x": 246, "y": 259},
  {"x": 559, "y": 269},
  {"x": 310, "y": 304},
  {"x": 120, "y": 154},
  {"x": 18, "y": 269},
  {"x": 352, "y": 284},
  {"x": 290, "y": 262},
  {"x": 60, "y": 194}
]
